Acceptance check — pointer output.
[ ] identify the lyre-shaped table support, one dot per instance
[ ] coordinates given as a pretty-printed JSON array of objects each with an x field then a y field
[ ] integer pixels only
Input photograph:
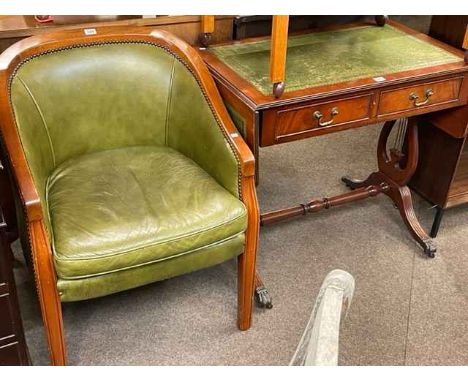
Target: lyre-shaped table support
[
  {"x": 395, "y": 171},
  {"x": 396, "y": 167}
]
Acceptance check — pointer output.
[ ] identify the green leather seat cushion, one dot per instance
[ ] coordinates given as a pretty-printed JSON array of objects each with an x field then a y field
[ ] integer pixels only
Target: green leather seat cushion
[
  {"x": 119, "y": 209},
  {"x": 113, "y": 282}
]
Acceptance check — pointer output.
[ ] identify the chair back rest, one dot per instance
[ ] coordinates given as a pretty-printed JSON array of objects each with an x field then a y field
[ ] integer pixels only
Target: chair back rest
[
  {"x": 79, "y": 100},
  {"x": 66, "y": 95}
]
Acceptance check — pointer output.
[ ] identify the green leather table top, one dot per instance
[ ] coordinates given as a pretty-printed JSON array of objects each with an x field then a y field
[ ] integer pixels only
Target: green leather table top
[{"x": 324, "y": 58}]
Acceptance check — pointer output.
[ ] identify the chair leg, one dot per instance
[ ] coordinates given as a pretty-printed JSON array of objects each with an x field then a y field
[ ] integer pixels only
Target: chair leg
[
  {"x": 246, "y": 261},
  {"x": 53, "y": 325},
  {"x": 245, "y": 287},
  {"x": 49, "y": 299}
]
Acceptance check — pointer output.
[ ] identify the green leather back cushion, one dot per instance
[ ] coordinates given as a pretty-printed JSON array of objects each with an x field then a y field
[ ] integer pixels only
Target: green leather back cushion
[
  {"x": 92, "y": 98},
  {"x": 199, "y": 137}
]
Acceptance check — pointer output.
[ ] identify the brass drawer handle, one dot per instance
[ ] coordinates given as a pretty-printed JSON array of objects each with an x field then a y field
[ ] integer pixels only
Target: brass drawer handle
[
  {"x": 318, "y": 115},
  {"x": 413, "y": 97}
]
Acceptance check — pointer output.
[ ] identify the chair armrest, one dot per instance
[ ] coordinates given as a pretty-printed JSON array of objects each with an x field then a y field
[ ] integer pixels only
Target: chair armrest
[
  {"x": 233, "y": 136},
  {"x": 199, "y": 125}
]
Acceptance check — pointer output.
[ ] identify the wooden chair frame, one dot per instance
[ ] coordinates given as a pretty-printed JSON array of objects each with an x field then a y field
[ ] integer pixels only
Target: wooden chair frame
[{"x": 42, "y": 258}]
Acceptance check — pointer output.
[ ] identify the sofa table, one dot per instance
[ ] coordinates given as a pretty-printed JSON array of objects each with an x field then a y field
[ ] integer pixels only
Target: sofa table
[{"x": 339, "y": 78}]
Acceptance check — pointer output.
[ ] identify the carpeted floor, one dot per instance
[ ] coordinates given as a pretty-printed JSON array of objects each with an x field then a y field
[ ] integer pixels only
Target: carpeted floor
[{"x": 407, "y": 309}]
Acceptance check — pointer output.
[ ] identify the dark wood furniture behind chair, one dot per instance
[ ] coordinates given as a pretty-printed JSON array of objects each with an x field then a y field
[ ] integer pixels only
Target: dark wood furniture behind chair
[
  {"x": 442, "y": 174},
  {"x": 443, "y": 182},
  {"x": 260, "y": 25},
  {"x": 15, "y": 28},
  {"x": 7, "y": 203},
  {"x": 13, "y": 350}
]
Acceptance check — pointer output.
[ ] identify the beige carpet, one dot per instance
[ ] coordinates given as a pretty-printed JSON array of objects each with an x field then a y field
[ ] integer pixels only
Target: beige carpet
[{"x": 407, "y": 309}]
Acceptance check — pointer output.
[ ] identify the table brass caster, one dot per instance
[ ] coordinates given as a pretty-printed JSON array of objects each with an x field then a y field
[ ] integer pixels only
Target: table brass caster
[{"x": 263, "y": 299}]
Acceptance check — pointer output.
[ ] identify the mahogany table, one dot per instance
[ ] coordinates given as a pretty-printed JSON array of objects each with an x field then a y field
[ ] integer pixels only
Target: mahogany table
[{"x": 339, "y": 78}]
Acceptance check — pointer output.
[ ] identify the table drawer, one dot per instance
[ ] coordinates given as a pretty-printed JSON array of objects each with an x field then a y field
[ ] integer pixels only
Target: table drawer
[
  {"x": 419, "y": 96},
  {"x": 300, "y": 120}
]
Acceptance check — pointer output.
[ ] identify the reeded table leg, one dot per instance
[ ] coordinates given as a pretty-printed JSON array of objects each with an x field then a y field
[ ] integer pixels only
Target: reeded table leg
[{"x": 401, "y": 197}]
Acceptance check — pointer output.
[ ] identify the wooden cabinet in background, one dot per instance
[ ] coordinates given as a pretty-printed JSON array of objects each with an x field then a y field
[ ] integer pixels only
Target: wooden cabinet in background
[
  {"x": 442, "y": 174},
  {"x": 13, "y": 350},
  {"x": 15, "y": 28},
  {"x": 450, "y": 29}
]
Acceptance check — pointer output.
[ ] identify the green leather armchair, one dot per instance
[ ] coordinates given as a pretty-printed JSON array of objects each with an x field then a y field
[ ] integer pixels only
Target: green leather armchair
[{"x": 128, "y": 167}]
